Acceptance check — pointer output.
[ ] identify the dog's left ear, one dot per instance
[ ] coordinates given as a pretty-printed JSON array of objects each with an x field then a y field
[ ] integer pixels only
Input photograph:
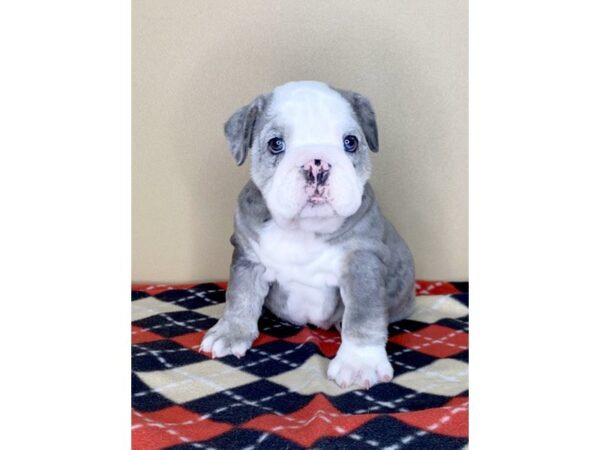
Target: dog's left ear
[
  {"x": 365, "y": 115},
  {"x": 239, "y": 128}
]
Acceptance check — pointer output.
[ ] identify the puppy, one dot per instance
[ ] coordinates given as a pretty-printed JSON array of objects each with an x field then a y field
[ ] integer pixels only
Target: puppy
[{"x": 310, "y": 242}]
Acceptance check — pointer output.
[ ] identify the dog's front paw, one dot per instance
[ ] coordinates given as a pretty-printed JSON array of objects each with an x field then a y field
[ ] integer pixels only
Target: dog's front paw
[
  {"x": 226, "y": 338},
  {"x": 362, "y": 365}
]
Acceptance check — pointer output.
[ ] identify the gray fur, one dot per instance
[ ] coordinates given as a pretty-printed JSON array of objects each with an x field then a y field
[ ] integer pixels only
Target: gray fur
[
  {"x": 365, "y": 115},
  {"x": 239, "y": 129},
  {"x": 377, "y": 284},
  {"x": 379, "y": 264},
  {"x": 243, "y": 301}
]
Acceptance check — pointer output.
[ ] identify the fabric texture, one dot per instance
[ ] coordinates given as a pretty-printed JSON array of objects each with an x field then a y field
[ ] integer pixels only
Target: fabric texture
[{"x": 278, "y": 396}]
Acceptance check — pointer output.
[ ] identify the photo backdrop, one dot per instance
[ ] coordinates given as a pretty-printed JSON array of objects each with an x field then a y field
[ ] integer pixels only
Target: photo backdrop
[{"x": 196, "y": 62}]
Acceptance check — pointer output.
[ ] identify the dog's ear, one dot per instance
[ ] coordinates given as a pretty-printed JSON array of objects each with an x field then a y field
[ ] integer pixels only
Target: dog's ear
[
  {"x": 239, "y": 129},
  {"x": 365, "y": 115}
]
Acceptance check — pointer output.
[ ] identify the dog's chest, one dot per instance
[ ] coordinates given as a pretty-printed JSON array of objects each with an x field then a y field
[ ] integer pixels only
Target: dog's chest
[
  {"x": 298, "y": 256},
  {"x": 307, "y": 268}
]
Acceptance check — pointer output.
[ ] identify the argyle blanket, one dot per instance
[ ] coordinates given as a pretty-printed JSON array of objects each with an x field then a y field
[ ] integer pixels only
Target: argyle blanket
[{"x": 278, "y": 395}]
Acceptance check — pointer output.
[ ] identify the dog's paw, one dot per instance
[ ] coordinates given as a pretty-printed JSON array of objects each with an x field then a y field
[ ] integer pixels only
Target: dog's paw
[
  {"x": 228, "y": 339},
  {"x": 361, "y": 365}
]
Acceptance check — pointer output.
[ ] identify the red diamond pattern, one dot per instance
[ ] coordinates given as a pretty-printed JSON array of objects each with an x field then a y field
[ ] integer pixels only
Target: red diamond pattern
[
  {"x": 171, "y": 426},
  {"x": 253, "y": 404},
  {"x": 434, "y": 340},
  {"x": 328, "y": 341},
  {"x": 316, "y": 420}
]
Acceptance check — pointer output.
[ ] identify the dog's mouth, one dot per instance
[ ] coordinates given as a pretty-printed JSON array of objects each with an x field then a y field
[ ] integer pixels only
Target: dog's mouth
[
  {"x": 318, "y": 203},
  {"x": 317, "y": 200},
  {"x": 316, "y": 209},
  {"x": 317, "y": 194}
]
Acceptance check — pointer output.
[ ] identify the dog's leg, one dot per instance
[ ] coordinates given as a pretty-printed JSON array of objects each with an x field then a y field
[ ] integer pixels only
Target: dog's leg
[
  {"x": 362, "y": 358},
  {"x": 237, "y": 329}
]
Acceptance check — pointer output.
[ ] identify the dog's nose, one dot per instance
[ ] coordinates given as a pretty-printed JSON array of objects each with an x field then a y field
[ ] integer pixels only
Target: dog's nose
[{"x": 316, "y": 171}]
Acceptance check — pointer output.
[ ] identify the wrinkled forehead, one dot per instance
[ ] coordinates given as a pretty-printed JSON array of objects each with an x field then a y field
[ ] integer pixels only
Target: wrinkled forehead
[{"x": 311, "y": 113}]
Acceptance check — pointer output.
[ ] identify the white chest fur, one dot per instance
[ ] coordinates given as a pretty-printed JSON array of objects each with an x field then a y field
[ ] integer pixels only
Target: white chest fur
[{"x": 305, "y": 266}]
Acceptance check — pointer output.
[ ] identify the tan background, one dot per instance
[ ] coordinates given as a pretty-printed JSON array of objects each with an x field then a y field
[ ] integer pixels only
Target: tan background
[{"x": 195, "y": 62}]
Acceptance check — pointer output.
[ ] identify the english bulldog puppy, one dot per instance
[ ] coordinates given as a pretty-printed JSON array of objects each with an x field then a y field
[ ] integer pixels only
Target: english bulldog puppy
[{"x": 310, "y": 242}]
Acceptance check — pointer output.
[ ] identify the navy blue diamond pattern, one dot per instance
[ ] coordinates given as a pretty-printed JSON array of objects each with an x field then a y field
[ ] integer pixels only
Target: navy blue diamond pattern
[{"x": 170, "y": 340}]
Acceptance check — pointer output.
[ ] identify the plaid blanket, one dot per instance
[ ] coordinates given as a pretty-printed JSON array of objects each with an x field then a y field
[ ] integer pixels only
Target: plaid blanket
[{"x": 278, "y": 395}]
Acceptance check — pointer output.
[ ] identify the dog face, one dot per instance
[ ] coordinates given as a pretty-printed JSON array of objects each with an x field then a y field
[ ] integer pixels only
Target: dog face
[{"x": 309, "y": 146}]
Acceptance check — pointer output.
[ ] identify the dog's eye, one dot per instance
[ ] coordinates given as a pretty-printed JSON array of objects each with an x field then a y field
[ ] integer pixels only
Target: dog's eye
[
  {"x": 350, "y": 143},
  {"x": 276, "y": 145}
]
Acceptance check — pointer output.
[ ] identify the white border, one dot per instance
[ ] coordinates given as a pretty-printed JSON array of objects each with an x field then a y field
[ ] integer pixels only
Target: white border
[
  {"x": 65, "y": 183},
  {"x": 534, "y": 171}
]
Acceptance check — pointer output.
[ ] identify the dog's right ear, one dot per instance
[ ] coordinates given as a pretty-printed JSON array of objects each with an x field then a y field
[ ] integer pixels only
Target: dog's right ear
[{"x": 239, "y": 129}]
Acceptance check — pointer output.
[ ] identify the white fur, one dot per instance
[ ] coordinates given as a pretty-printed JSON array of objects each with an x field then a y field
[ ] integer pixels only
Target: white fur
[
  {"x": 305, "y": 266},
  {"x": 316, "y": 120},
  {"x": 364, "y": 365}
]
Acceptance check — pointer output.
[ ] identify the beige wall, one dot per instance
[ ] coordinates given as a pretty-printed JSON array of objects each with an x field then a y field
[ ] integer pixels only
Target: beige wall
[{"x": 196, "y": 61}]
